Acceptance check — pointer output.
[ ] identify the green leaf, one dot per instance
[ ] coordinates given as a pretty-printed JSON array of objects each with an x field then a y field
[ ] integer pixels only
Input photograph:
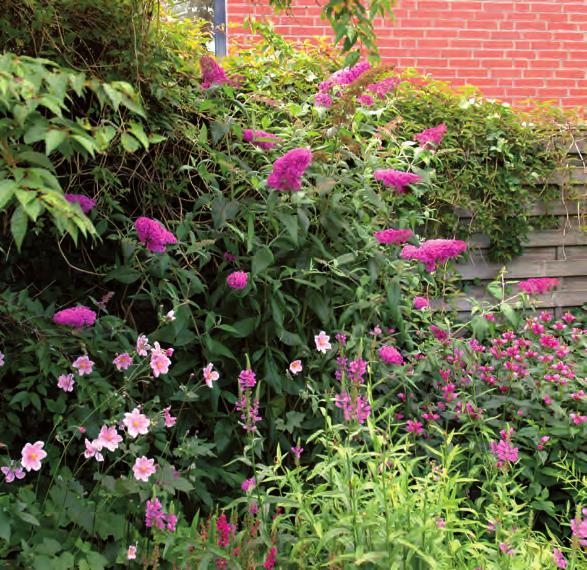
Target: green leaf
[
  {"x": 129, "y": 143},
  {"x": 53, "y": 139},
  {"x": 18, "y": 226},
  {"x": 262, "y": 259},
  {"x": 123, "y": 274},
  {"x": 137, "y": 130},
  {"x": 7, "y": 189}
]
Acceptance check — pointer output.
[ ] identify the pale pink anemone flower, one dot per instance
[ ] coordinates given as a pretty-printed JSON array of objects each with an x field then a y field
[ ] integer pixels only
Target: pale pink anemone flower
[
  {"x": 32, "y": 455},
  {"x": 144, "y": 468},
  {"x": 1, "y": 359},
  {"x": 136, "y": 423},
  {"x": 122, "y": 361},
  {"x": 210, "y": 375},
  {"x": 322, "y": 341},
  {"x": 143, "y": 345},
  {"x": 12, "y": 473},
  {"x": 109, "y": 438},
  {"x": 66, "y": 382},
  {"x": 83, "y": 365},
  {"x": 296, "y": 367},
  {"x": 93, "y": 449},
  {"x": 160, "y": 361},
  {"x": 169, "y": 420},
  {"x": 131, "y": 552}
]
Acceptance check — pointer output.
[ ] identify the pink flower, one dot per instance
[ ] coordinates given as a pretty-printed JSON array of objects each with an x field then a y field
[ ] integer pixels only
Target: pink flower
[
  {"x": 345, "y": 76},
  {"x": 392, "y": 236},
  {"x": 504, "y": 451},
  {"x": 153, "y": 234},
  {"x": 142, "y": 345},
  {"x": 75, "y": 317},
  {"x": 559, "y": 558},
  {"x": 322, "y": 341},
  {"x": 390, "y": 355},
  {"x": 383, "y": 87},
  {"x": 1, "y": 359},
  {"x": 396, "y": 178},
  {"x": 83, "y": 365},
  {"x": 270, "y": 560},
  {"x": 538, "y": 286},
  {"x": 295, "y": 367},
  {"x": 247, "y": 379},
  {"x": 32, "y": 455},
  {"x": 109, "y": 438},
  {"x": 11, "y": 473},
  {"x": 131, "y": 552},
  {"x": 420, "y": 303},
  {"x": 210, "y": 375},
  {"x": 237, "y": 280},
  {"x": 170, "y": 420},
  {"x": 262, "y": 139},
  {"x": 440, "y": 522},
  {"x": 248, "y": 484},
  {"x": 122, "y": 361},
  {"x": 579, "y": 528},
  {"x": 224, "y": 529},
  {"x": 434, "y": 252},
  {"x": 288, "y": 170},
  {"x": 212, "y": 73},
  {"x": 414, "y": 426},
  {"x": 365, "y": 100},
  {"x": 66, "y": 382},
  {"x": 93, "y": 449},
  {"x": 160, "y": 362},
  {"x": 85, "y": 203},
  {"x": 322, "y": 100},
  {"x": 144, "y": 468},
  {"x": 297, "y": 451},
  {"x": 136, "y": 423},
  {"x": 432, "y": 136}
]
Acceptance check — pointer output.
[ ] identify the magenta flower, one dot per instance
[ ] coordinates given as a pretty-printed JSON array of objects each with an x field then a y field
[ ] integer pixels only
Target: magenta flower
[
  {"x": 212, "y": 72},
  {"x": 1, "y": 359},
  {"x": 248, "y": 484},
  {"x": 144, "y": 468},
  {"x": 83, "y": 365},
  {"x": 345, "y": 76},
  {"x": 415, "y": 427},
  {"x": 109, "y": 438},
  {"x": 270, "y": 560},
  {"x": 160, "y": 362},
  {"x": 122, "y": 361},
  {"x": 297, "y": 451},
  {"x": 579, "y": 527},
  {"x": 66, "y": 382},
  {"x": 322, "y": 100},
  {"x": 433, "y": 252},
  {"x": 210, "y": 375},
  {"x": 390, "y": 355},
  {"x": 504, "y": 452},
  {"x": 432, "y": 136},
  {"x": 539, "y": 285},
  {"x": 153, "y": 234},
  {"x": 169, "y": 420},
  {"x": 85, "y": 203},
  {"x": 93, "y": 449},
  {"x": 224, "y": 530},
  {"x": 11, "y": 473},
  {"x": 76, "y": 317},
  {"x": 237, "y": 279},
  {"x": 143, "y": 345},
  {"x": 32, "y": 455},
  {"x": 353, "y": 407},
  {"x": 261, "y": 139},
  {"x": 383, "y": 87},
  {"x": 396, "y": 178},
  {"x": 365, "y": 100},
  {"x": 420, "y": 303},
  {"x": 288, "y": 170},
  {"x": 559, "y": 558},
  {"x": 392, "y": 236},
  {"x": 247, "y": 379},
  {"x": 136, "y": 423}
]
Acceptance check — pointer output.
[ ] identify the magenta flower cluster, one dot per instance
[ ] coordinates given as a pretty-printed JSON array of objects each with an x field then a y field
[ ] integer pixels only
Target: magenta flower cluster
[
  {"x": 434, "y": 252},
  {"x": 85, "y": 203},
  {"x": 156, "y": 517},
  {"x": 383, "y": 87},
  {"x": 237, "y": 279},
  {"x": 288, "y": 170},
  {"x": 391, "y": 355},
  {"x": 345, "y": 76},
  {"x": 396, "y": 179},
  {"x": 75, "y": 317},
  {"x": 247, "y": 405},
  {"x": 212, "y": 72},
  {"x": 353, "y": 407},
  {"x": 393, "y": 236},
  {"x": 261, "y": 139},
  {"x": 431, "y": 137},
  {"x": 539, "y": 285},
  {"x": 153, "y": 234}
]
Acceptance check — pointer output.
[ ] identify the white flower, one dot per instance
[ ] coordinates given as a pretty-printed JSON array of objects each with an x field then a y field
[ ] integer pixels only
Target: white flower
[{"x": 170, "y": 316}]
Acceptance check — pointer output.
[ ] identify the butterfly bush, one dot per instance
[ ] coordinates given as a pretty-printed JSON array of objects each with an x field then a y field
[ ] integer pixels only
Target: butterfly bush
[
  {"x": 85, "y": 203},
  {"x": 261, "y": 139},
  {"x": 393, "y": 236},
  {"x": 153, "y": 235},
  {"x": 431, "y": 137},
  {"x": 434, "y": 252},
  {"x": 322, "y": 100},
  {"x": 75, "y": 317},
  {"x": 538, "y": 286},
  {"x": 397, "y": 179},
  {"x": 288, "y": 170},
  {"x": 212, "y": 73},
  {"x": 237, "y": 280},
  {"x": 382, "y": 88},
  {"x": 345, "y": 76}
]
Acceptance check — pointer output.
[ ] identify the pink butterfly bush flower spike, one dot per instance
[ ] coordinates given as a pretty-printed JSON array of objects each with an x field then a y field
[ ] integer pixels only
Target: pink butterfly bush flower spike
[
  {"x": 431, "y": 137},
  {"x": 136, "y": 423},
  {"x": 144, "y": 468},
  {"x": 434, "y": 252},
  {"x": 212, "y": 73},
  {"x": 322, "y": 342},
  {"x": 322, "y": 100},
  {"x": 538, "y": 286},
  {"x": 153, "y": 235},
  {"x": 83, "y": 365},
  {"x": 237, "y": 280},
  {"x": 396, "y": 179},
  {"x": 392, "y": 236},
  {"x": 421, "y": 303},
  {"x": 210, "y": 375},
  {"x": 85, "y": 203},
  {"x": 32, "y": 455},
  {"x": 75, "y": 317},
  {"x": 288, "y": 170},
  {"x": 261, "y": 139}
]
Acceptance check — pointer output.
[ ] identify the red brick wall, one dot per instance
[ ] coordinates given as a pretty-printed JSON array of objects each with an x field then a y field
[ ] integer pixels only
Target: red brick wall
[{"x": 511, "y": 49}]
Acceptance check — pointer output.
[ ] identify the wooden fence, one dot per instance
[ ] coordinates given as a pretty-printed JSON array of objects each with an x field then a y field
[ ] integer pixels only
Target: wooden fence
[{"x": 560, "y": 252}]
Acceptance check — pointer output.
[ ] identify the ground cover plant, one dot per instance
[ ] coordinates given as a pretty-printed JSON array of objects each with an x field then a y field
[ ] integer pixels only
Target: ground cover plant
[{"x": 217, "y": 346}]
